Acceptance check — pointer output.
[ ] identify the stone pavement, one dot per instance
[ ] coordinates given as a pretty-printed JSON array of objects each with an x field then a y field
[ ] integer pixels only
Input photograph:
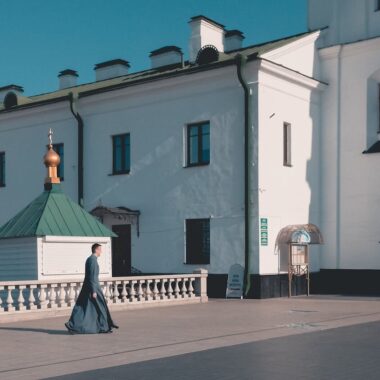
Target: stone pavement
[{"x": 298, "y": 338}]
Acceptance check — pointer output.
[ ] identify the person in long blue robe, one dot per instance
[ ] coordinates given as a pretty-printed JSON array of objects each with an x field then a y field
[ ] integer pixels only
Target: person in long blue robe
[{"x": 90, "y": 314}]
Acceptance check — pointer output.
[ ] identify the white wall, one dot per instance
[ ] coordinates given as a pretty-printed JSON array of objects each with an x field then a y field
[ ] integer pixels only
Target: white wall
[
  {"x": 18, "y": 259},
  {"x": 159, "y": 186},
  {"x": 347, "y": 20},
  {"x": 64, "y": 257},
  {"x": 287, "y": 195},
  {"x": 350, "y": 183}
]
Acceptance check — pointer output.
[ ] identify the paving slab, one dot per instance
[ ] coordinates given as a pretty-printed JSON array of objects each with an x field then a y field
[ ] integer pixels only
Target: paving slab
[{"x": 42, "y": 348}]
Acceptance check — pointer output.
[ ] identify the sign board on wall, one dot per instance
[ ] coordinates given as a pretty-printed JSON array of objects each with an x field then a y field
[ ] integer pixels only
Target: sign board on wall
[
  {"x": 264, "y": 231},
  {"x": 235, "y": 282}
]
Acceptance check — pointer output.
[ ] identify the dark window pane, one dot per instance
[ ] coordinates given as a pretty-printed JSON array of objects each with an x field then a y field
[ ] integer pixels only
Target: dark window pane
[
  {"x": 121, "y": 153},
  {"x": 61, "y": 168},
  {"x": 206, "y": 143},
  {"x": 2, "y": 169},
  {"x": 198, "y": 241},
  {"x": 198, "y": 144},
  {"x": 194, "y": 149},
  {"x": 287, "y": 144},
  {"x": 126, "y": 154}
]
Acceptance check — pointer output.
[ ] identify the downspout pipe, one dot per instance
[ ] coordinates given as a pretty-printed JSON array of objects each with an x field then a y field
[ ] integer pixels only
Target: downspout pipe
[
  {"x": 80, "y": 125},
  {"x": 241, "y": 61}
]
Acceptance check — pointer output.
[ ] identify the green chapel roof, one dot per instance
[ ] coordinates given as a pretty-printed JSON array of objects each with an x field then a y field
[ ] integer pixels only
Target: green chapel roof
[{"x": 53, "y": 214}]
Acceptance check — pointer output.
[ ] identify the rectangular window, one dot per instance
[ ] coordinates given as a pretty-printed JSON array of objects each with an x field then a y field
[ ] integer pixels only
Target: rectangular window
[
  {"x": 287, "y": 144},
  {"x": 198, "y": 144},
  {"x": 198, "y": 241},
  {"x": 2, "y": 169},
  {"x": 61, "y": 167},
  {"x": 121, "y": 154}
]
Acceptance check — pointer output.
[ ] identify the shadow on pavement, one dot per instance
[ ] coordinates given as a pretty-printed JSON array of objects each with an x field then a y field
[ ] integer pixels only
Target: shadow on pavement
[{"x": 29, "y": 329}]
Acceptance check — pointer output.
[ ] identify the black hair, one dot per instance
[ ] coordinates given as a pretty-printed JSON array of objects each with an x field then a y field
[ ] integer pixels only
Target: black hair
[{"x": 94, "y": 247}]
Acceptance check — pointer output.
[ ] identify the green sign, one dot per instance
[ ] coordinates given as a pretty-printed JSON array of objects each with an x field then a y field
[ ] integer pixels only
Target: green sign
[{"x": 264, "y": 231}]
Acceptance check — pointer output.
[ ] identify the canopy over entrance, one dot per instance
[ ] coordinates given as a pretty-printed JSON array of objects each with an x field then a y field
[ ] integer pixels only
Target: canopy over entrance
[
  {"x": 122, "y": 213},
  {"x": 299, "y": 234}
]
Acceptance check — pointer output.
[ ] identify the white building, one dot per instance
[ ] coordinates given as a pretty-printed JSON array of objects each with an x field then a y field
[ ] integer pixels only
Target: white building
[{"x": 202, "y": 162}]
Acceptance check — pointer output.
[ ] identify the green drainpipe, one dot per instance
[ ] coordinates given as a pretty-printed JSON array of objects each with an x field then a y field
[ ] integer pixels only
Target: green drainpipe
[{"x": 241, "y": 61}]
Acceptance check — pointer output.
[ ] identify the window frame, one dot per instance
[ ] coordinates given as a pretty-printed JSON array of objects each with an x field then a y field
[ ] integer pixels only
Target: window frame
[
  {"x": 124, "y": 170},
  {"x": 287, "y": 144},
  {"x": 202, "y": 259},
  {"x": 200, "y": 161},
  {"x": 61, "y": 166},
  {"x": 2, "y": 170}
]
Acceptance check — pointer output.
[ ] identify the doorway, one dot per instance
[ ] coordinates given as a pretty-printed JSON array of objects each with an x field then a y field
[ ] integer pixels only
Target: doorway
[{"x": 121, "y": 250}]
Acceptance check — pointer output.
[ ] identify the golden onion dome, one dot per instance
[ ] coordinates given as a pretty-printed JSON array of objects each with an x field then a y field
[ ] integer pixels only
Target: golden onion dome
[{"x": 51, "y": 158}]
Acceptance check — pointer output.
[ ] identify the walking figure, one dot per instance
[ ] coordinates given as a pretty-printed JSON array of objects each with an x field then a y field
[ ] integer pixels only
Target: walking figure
[{"x": 90, "y": 314}]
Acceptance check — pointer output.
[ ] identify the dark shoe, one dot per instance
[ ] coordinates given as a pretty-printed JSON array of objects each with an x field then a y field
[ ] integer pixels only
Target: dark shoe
[
  {"x": 115, "y": 326},
  {"x": 72, "y": 332}
]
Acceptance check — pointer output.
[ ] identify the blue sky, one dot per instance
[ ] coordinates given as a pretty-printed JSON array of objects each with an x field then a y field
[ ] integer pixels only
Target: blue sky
[{"x": 39, "y": 38}]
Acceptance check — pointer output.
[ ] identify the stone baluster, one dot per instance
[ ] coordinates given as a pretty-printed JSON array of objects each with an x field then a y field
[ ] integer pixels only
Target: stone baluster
[
  {"x": 132, "y": 293},
  {"x": 32, "y": 303},
  {"x": 140, "y": 294},
  {"x": 20, "y": 305},
  {"x": 52, "y": 296},
  {"x": 71, "y": 294},
  {"x": 123, "y": 292},
  {"x": 10, "y": 306},
  {"x": 62, "y": 295},
  {"x": 170, "y": 289},
  {"x": 190, "y": 289},
  {"x": 42, "y": 296},
  {"x": 176, "y": 288},
  {"x": 116, "y": 298},
  {"x": 148, "y": 292},
  {"x": 106, "y": 291},
  {"x": 183, "y": 287},
  {"x": 162, "y": 288},
  {"x": 155, "y": 290}
]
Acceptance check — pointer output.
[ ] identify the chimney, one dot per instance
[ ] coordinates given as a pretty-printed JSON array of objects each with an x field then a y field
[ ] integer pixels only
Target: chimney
[
  {"x": 166, "y": 56},
  {"x": 67, "y": 78},
  {"x": 204, "y": 31},
  {"x": 233, "y": 40},
  {"x": 111, "y": 69},
  {"x": 12, "y": 92}
]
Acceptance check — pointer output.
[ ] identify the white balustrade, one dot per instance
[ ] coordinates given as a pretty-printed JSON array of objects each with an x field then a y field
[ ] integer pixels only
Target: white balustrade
[{"x": 28, "y": 296}]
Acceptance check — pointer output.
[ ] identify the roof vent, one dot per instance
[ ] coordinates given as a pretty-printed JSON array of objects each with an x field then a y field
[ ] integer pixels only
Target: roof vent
[
  {"x": 11, "y": 92},
  {"x": 233, "y": 40},
  {"x": 111, "y": 69},
  {"x": 207, "y": 54},
  {"x": 10, "y": 100},
  {"x": 67, "y": 78},
  {"x": 165, "y": 56},
  {"x": 204, "y": 31}
]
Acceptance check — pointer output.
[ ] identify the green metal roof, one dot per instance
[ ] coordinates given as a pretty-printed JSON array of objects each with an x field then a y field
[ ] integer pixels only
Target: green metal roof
[{"x": 54, "y": 214}]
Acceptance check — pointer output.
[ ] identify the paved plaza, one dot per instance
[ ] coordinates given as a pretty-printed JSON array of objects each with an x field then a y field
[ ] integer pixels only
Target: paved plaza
[{"x": 299, "y": 338}]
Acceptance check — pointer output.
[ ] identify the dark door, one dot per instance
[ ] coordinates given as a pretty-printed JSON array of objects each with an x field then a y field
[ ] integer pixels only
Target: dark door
[{"x": 121, "y": 250}]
